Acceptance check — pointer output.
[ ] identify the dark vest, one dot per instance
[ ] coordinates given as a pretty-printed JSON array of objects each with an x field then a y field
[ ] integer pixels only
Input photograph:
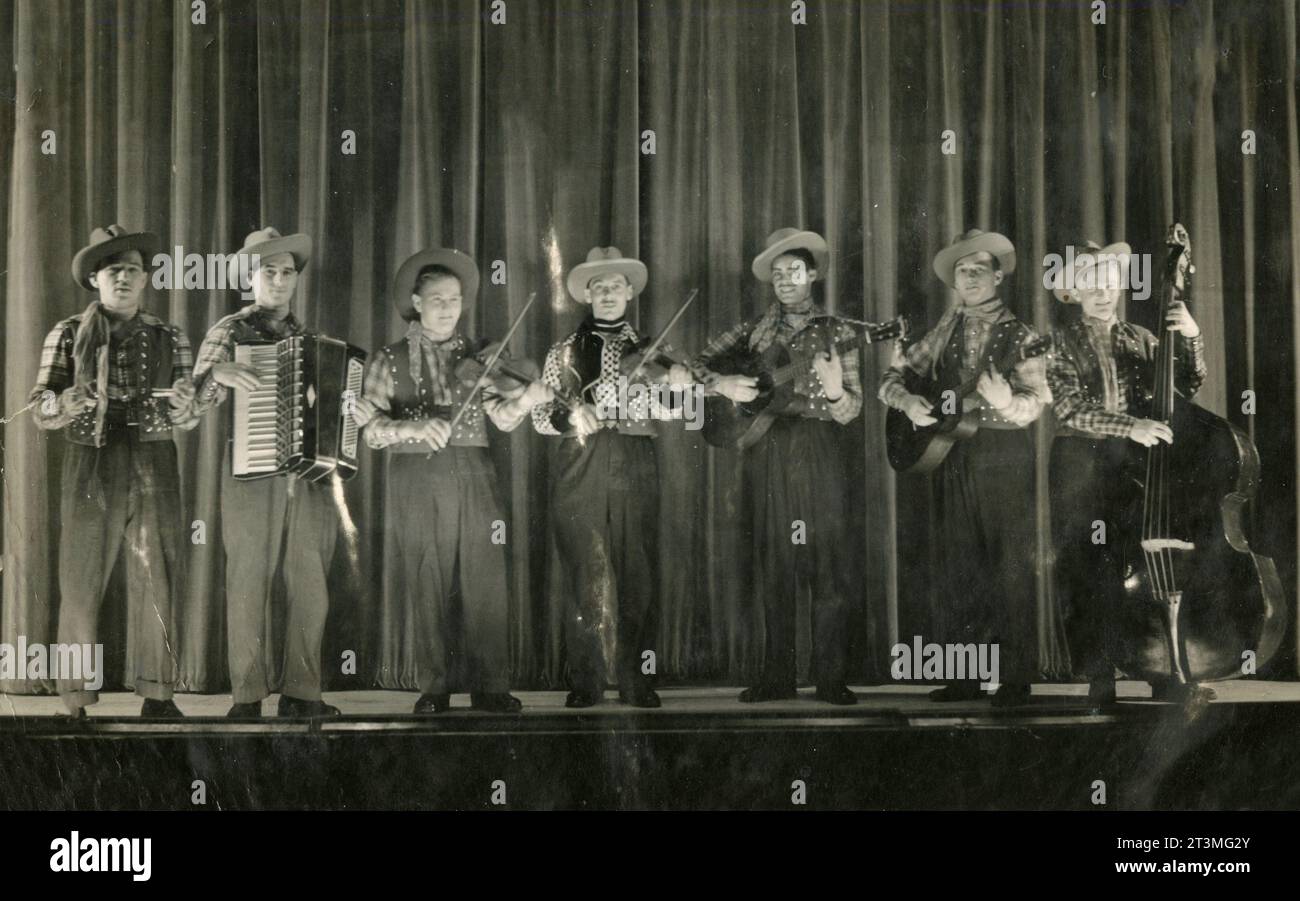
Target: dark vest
[
  {"x": 412, "y": 401},
  {"x": 151, "y": 349},
  {"x": 1132, "y": 365},
  {"x": 1004, "y": 339}
]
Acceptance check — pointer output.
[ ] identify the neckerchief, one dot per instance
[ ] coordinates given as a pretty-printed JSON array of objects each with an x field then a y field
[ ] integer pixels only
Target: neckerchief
[{"x": 769, "y": 324}]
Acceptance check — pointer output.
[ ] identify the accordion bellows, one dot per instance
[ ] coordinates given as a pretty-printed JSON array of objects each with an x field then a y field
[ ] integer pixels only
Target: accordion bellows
[{"x": 299, "y": 420}]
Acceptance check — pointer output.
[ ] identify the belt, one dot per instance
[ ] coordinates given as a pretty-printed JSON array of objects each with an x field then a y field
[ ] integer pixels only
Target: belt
[{"x": 1001, "y": 425}]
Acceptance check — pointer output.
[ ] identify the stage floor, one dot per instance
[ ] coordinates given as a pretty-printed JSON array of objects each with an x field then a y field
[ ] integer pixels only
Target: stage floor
[
  {"x": 696, "y": 708},
  {"x": 702, "y": 749}
]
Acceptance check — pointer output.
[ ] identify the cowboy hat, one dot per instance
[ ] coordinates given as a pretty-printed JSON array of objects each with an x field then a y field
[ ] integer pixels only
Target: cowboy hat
[
  {"x": 460, "y": 264},
  {"x": 266, "y": 242},
  {"x": 602, "y": 261},
  {"x": 1087, "y": 261},
  {"x": 784, "y": 240},
  {"x": 974, "y": 241},
  {"x": 107, "y": 242}
]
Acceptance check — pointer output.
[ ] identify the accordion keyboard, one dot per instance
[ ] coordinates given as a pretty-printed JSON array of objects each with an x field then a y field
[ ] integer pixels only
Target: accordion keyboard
[
  {"x": 352, "y": 391},
  {"x": 257, "y": 415}
]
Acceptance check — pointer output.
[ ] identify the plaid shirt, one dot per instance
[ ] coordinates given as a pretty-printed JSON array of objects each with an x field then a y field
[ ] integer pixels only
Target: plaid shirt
[
  {"x": 1101, "y": 374},
  {"x": 811, "y": 400},
  {"x": 127, "y": 382},
  {"x": 1029, "y": 387},
  {"x": 219, "y": 347}
]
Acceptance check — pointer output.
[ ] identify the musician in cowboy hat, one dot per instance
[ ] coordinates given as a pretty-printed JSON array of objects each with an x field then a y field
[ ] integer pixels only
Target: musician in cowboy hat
[
  {"x": 604, "y": 501},
  {"x": 984, "y": 489},
  {"x": 1100, "y": 373},
  {"x": 107, "y": 379},
  {"x": 796, "y": 471},
  {"x": 274, "y": 519},
  {"x": 442, "y": 507}
]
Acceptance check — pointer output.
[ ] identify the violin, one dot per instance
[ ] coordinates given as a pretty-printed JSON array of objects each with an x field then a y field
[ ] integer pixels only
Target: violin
[
  {"x": 508, "y": 377},
  {"x": 645, "y": 361}
]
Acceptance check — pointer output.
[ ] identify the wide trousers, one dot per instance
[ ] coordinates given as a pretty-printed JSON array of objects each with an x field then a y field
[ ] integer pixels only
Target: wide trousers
[
  {"x": 984, "y": 493},
  {"x": 263, "y": 522},
  {"x": 124, "y": 496},
  {"x": 796, "y": 472},
  {"x": 444, "y": 522},
  {"x": 605, "y": 514},
  {"x": 1090, "y": 485}
]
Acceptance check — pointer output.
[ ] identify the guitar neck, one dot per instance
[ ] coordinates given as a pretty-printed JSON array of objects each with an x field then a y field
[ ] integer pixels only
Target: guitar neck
[
  {"x": 1004, "y": 366},
  {"x": 844, "y": 345}
]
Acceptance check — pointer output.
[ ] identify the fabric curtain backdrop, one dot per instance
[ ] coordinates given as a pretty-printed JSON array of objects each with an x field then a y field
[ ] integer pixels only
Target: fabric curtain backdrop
[{"x": 523, "y": 143}]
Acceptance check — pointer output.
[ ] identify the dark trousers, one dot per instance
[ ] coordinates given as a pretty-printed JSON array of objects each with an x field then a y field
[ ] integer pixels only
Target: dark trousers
[
  {"x": 441, "y": 518},
  {"x": 984, "y": 493},
  {"x": 796, "y": 473},
  {"x": 124, "y": 496},
  {"x": 260, "y": 521},
  {"x": 1090, "y": 484},
  {"x": 605, "y": 515}
]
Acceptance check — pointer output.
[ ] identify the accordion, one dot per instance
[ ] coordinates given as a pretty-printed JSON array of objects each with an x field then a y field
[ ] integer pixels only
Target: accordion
[{"x": 299, "y": 420}]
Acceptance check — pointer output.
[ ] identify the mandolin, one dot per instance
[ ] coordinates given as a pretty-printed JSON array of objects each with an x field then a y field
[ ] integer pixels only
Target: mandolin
[
  {"x": 920, "y": 449},
  {"x": 740, "y": 425}
]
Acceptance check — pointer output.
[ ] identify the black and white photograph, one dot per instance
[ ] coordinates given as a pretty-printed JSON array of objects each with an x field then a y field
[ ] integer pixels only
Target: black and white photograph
[{"x": 456, "y": 407}]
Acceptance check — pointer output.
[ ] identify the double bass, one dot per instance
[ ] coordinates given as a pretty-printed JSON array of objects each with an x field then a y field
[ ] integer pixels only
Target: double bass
[{"x": 1197, "y": 597}]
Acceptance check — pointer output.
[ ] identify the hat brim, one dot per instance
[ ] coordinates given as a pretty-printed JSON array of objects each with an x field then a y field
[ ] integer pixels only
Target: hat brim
[
  {"x": 633, "y": 270},
  {"x": 298, "y": 246},
  {"x": 990, "y": 242},
  {"x": 1119, "y": 248},
  {"x": 461, "y": 264},
  {"x": 87, "y": 260},
  {"x": 805, "y": 240}
]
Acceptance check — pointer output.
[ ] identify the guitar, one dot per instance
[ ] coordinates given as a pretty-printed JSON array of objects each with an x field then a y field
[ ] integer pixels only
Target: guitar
[
  {"x": 913, "y": 448},
  {"x": 740, "y": 425}
]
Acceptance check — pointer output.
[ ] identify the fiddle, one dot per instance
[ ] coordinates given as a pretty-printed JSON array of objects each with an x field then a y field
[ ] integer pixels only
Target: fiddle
[
  {"x": 651, "y": 363},
  {"x": 507, "y": 377},
  {"x": 652, "y": 358}
]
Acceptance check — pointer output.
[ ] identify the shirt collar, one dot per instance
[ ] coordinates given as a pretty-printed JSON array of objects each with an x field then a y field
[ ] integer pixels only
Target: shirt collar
[
  {"x": 991, "y": 311},
  {"x": 588, "y": 326},
  {"x": 290, "y": 321},
  {"x": 1099, "y": 327}
]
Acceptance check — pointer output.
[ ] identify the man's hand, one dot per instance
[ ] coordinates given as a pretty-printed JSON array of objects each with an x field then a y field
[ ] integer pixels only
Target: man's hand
[
  {"x": 679, "y": 376},
  {"x": 994, "y": 388},
  {"x": 536, "y": 393},
  {"x": 1149, "y": 432},
  {"x": 236, "y": 375},
  {"x": 363, "y": 411},
  {"x": 1179, "y": 319},
  {"x": 584, "y": 420},
  {"x": 831, "y": 372},
  {"x": 437, "y": 432},
  {"x": 918, "y": 409},
  {"x": 182, "y": 394},
  {"x": 179, "y": 400},
  {"x": 77, "y": 400},
  {"x": 739, "y": 389}
]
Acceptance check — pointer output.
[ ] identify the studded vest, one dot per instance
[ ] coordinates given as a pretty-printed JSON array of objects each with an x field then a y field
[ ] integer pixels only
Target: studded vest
[
  {"x": 151, "y": 348},
  {"x": 951, "y": 371},
  {"x": 1132, "y": 365},
  {"x": 413, "y": 399}
]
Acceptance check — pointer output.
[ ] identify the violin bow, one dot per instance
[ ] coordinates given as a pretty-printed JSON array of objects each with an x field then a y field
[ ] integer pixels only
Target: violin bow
[
  {"x": 487, "y": 367},
  {"x": 659, "y": 339}
]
